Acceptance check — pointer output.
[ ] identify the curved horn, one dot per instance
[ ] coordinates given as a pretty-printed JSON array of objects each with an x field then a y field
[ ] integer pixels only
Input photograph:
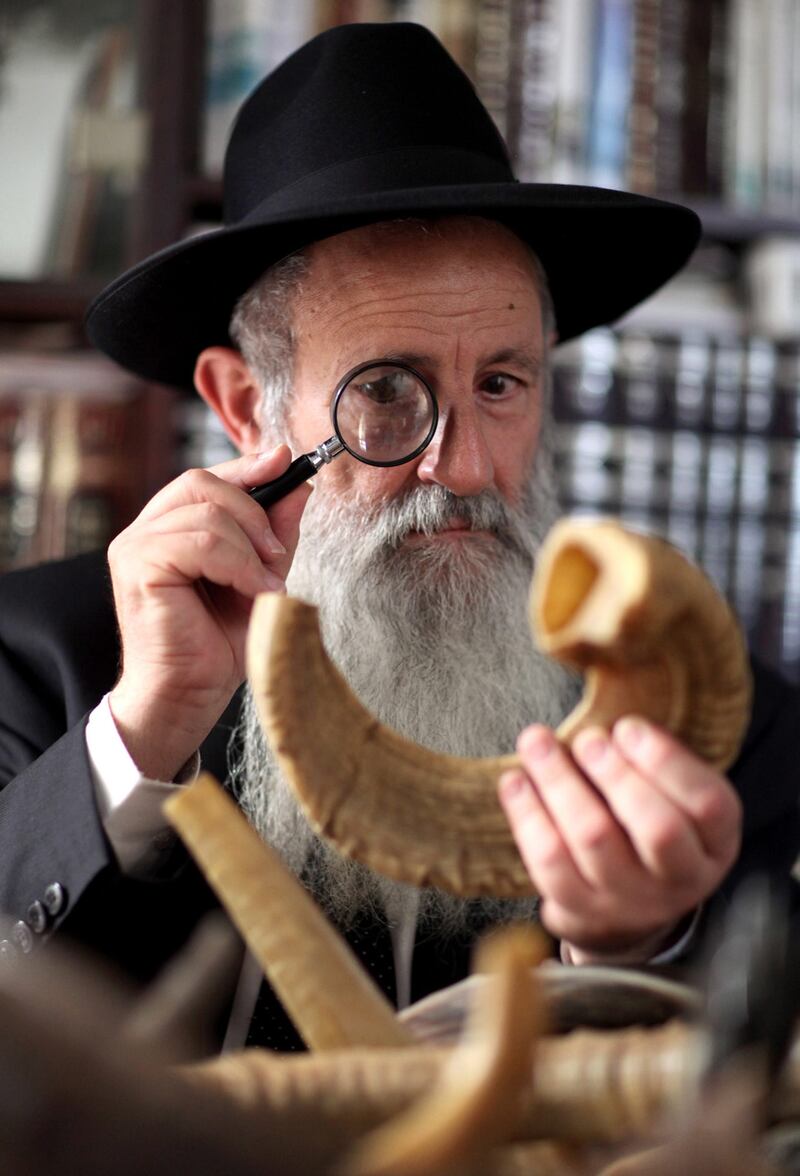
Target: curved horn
[
  {"x": 411, "y": 813},
  {"x": 476, "y": 1101},
  {"x": 590, "y": 1085},
  {"x": 330, "y": 998},
  {"x": 651, "y": 632}
]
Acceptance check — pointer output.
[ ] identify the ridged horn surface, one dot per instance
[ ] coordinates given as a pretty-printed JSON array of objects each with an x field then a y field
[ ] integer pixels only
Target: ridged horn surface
[
  {"x": 586, "y": 1086},
  {"x": 649, "y": 630},
  {"x": 324, "y": 989},
  {"x": 409, "y": 812},
  {"x": 651, "y": 633},
  {"x": 476, "y": 1101}
]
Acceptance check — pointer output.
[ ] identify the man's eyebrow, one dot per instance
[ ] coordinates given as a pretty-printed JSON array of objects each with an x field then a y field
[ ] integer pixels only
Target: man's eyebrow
[{"x": 524, "y": 357}]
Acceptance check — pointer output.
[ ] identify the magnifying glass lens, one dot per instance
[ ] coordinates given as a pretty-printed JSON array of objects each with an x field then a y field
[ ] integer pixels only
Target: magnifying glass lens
[{"x": 384, "y": 414}]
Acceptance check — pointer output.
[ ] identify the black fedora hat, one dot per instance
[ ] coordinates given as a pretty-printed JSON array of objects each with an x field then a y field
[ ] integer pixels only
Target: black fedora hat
[{"x": 368, "y": 122}]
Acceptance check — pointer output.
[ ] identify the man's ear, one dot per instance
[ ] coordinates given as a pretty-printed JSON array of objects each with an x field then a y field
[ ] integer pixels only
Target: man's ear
[{"x": 229, "y": 388}]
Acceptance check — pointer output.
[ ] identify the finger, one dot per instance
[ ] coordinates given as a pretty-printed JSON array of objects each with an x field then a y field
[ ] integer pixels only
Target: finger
[
  {"x": 205, "y": 555},
  {"x": 253, "y": 469},
  {"x": 662, "y": 836},
  {"x": 598, "y": 847},
  {"x": 540, "y": 844},
  {"x": 243, "y": 473},
  {"x": 198, "y": 518},
  {"x": 700, "y": 791},
  {"x": 198, "y": 486},
  {"x": 285, "y": 516}
]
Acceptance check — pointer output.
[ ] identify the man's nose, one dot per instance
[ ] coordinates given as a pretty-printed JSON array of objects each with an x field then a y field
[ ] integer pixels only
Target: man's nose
[{"x": 458, "y": 457}]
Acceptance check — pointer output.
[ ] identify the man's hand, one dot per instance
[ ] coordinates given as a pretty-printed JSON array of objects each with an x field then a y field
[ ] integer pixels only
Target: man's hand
[
  {"x": 185, "y": 573},
  {"x": 622, "y": 838}
]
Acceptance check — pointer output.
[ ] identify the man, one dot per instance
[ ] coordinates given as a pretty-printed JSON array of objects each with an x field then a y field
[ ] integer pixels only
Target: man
[{"x": 371, "y": 213}]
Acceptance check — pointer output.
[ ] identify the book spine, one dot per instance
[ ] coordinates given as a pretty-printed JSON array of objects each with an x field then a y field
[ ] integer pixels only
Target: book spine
[
  {"x": 10, "y": 410},
  {"x": 753, "y": 505},
  {"x": 459, "y": 32},
  {"x": 28, "y": 464},
  {"x": 493, "y": 63},
  {"x": 537, "y": 93},
  {"x": 574, "y": 30},
  {"x": 794, "y": 141},
  {"x": 719, "y": 86},
  {"x": 697, "y": 50},
  {"x": 670, "y": 96},
  {"x": 777, "y": 82},
  {"x": 246, "y": 39},
  {"x": 643, "y": 122},
  {"x": 608, "y": 122},
  {"x": 745, "y": 112}
]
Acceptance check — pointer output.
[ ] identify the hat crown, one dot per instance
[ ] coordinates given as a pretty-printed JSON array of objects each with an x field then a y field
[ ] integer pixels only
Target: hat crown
[{"x": 383, "y": 104}]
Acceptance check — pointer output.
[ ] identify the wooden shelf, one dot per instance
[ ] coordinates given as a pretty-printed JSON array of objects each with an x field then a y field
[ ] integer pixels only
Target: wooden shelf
[
  {"x": 47, "y": 300},
  {"x": 723, "y": 222}
]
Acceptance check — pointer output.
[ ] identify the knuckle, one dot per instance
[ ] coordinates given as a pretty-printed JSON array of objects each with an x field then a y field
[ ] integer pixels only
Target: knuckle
[
  {"x": 212, "y": 514},
  {"x": 665, "y": 834},
  {"x": 206, "y": 541},
  {"x": 662, "y": 751},
  {"x": 195, "y": 482},
  {"x": 593, "y": 832},
  {"x": 548, "y": 851},
  {"x": 719, "y": 807}
]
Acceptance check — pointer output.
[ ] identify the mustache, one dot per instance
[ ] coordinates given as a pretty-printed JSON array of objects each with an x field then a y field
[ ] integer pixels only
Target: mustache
[{"x": 428, "y": 510}]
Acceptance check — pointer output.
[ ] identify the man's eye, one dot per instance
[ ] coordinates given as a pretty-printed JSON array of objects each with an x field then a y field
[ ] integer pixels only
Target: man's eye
[
  {"x": 499, "y": 385},
  {"x": 394, "y": 386}
]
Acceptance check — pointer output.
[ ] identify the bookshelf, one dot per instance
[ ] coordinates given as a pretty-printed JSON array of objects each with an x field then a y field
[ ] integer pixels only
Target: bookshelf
[{"x": 692, "y": 101}]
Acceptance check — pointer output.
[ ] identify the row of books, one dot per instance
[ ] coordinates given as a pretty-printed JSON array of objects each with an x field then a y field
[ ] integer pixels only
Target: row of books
[
  {"x": 660, "y": 96},
  {"x": 696, "y": 438},
  {"x": 248, "y": 38},
  {"x": 82, "y": 448}
]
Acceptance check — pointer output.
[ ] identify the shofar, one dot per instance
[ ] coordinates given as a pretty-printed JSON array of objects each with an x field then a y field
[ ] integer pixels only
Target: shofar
[
  {"x": 649, "y": 629},
  {"x": 330, "y": 998}
]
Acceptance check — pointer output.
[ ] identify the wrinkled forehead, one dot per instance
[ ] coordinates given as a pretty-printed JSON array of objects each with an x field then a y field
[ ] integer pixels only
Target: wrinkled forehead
[
  {"x": 429, "y": 240},
  {"x": 448, "y": 263}
]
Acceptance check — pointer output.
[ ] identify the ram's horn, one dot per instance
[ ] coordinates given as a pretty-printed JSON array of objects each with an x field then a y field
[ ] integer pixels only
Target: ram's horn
[
  {"x": 324, "y": 989},
  {"x": 589, "y": 1086},
  {"x": 649, "y": 629},
  {"x": 476, "y": 1101},
  {"x": 410, "y": 813}
]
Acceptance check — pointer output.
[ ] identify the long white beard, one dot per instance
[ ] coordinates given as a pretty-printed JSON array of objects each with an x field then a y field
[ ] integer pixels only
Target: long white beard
[{"x": 435, "y": 641}]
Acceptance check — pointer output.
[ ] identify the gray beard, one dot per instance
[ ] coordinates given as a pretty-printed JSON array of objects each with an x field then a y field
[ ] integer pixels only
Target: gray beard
[{"x": 435, "y": 641}]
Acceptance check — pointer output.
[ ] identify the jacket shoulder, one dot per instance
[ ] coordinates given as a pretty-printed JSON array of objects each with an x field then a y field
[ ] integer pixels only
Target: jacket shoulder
[{"x": 58, "y": 629}]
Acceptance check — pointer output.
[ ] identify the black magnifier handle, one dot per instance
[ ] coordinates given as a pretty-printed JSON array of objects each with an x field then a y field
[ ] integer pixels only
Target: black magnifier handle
[{"x": 301, "y": 469}]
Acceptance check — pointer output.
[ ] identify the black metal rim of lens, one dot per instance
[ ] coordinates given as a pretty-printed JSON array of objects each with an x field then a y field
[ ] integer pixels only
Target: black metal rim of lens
[{"x": 393, "y": 363}]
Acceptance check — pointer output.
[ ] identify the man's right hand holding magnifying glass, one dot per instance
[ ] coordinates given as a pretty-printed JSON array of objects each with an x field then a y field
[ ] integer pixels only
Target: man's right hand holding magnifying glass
[
  {"x": 184, "y": 575},
  {"x": 186, "y": 571}
]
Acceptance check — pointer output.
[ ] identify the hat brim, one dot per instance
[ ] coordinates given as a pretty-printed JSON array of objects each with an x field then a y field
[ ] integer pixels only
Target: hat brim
[{"x": 603, "y": 252}]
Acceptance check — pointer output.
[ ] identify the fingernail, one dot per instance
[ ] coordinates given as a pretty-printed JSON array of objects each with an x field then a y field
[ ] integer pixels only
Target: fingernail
[
  {"x": 537, "y": 744},
  {"x": 273, "y": 543},
  {"x": 272, "y": 582},
  {"x": 265, "y": 454},
  {"x": 512, "y": 785},
  {"x": 630, "y": 732},
  {"x": 591, "y": 745}
]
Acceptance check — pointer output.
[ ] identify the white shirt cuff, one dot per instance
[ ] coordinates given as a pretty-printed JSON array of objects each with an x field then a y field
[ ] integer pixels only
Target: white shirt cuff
[
  {"x": 669, "y": 955},
  {"x": 672, "y": 954},
  {"x": 130, "y": 803}
]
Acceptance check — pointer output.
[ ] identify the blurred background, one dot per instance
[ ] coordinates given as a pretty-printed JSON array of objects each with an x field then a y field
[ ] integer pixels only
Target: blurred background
[{"x": 684, "y": 418}]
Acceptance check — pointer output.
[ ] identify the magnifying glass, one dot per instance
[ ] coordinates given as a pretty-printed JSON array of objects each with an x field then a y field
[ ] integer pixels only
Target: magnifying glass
[{"x": 384, "y": 413}]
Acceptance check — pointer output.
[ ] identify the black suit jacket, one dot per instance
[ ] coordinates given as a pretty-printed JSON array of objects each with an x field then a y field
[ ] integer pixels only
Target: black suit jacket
[{"x": 59, "y": 654}]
